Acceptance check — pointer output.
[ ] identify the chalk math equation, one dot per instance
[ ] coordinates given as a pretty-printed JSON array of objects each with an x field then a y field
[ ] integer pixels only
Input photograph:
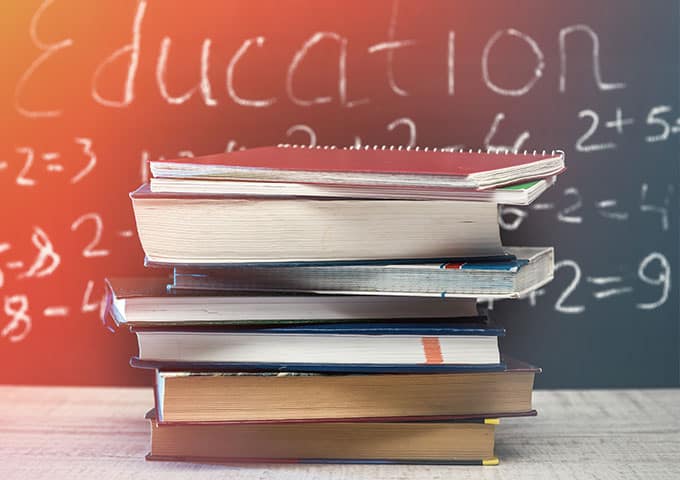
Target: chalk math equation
[
  {"x": 324, "y": 85},
  {"x": 46, "y": 260}
]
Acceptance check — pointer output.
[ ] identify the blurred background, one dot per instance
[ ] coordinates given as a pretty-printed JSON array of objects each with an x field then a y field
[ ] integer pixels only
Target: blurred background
[{"x": 92, "y": 91}]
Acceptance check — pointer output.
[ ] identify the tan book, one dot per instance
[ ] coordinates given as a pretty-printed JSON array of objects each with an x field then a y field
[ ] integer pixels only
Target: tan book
[
  {"x": 229, "y": 397},
  {"x": 463, "y": 442}
]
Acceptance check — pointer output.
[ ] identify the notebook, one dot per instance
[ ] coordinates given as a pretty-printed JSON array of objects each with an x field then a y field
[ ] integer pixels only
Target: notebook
[
  {"x": 518, "y": 194},
  {"x": 370, "y": 165}
]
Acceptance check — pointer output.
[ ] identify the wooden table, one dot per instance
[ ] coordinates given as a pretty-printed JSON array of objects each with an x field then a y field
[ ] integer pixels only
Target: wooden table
[{"x": 99, "y": 434}]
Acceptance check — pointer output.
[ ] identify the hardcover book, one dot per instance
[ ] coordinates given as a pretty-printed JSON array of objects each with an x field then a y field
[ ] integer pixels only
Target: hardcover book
[
  {"x": 219, "y": 229},
  {"x": 465, "y": 442},
  {"x": 146, "y": 301},
  {"x": 527, "y": 269},
  {"x": 232, "y": 396},
  {"x": 341, "y": 347}
]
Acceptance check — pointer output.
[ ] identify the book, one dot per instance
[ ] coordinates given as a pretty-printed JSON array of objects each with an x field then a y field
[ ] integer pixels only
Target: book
[
  {"x": 327, "y": 346},
  {"x": 213, "y": 396},
  {"x": 528, "y": 269},
  {"x": 214, "y": 229},
  {"x": 146, "y": 301},
  {"x": 322, "y": 306},
  {"x": 469, "y": 442},
  {"x": 519, "y": 194},
  {"x": 382, "y": 166}
]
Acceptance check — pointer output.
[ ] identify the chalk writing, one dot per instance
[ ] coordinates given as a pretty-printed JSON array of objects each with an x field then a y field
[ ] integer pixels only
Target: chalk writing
[
  {"x": 605, "y": 288},
  {"x": 95, "y": 105}
]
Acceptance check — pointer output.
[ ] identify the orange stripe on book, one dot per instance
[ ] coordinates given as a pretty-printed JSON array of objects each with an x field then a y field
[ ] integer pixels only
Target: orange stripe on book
[{"x": 433, "y": 350}]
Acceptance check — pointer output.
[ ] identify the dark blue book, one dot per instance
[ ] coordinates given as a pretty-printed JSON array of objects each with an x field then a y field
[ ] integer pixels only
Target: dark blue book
[{"x": 329, "y": 347}]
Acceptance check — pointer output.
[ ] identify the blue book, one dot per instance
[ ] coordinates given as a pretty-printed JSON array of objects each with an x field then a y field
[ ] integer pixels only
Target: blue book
[
  {"x": 523, "y": 270},
  {"x": 442, "y": 346}
]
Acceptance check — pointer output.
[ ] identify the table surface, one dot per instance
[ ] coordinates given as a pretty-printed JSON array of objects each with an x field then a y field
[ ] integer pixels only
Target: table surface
[{"x": 100, "y": 434}]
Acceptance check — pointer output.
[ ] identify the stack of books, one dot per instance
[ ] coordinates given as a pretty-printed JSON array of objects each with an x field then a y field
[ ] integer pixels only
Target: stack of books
[{"x": 323, "y": 303}]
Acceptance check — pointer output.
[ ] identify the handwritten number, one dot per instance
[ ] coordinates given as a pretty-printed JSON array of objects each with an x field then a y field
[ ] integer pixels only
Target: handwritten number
[
  {"x": 519, "y": 141},
  {"x": 305, "y": 129},
  {"x": 654, "y": 119},
  {"x": 560, "y": 304},
  {"x": 22, "y": 178},
  {"x": 663, "y": 279},
  {"x": 92, "y": 158},
  {"x": 565, "y": 215},
  {"x": 47, "y": 260},
  {"x": 88, "y": 306},
  {"x": 16, "y": 307},
  {"x": 594, "y": 122},
  {"x": 411, "y": 127},
  {"x": 519, "y": 216},
  {"x": 90, "y": 249}
]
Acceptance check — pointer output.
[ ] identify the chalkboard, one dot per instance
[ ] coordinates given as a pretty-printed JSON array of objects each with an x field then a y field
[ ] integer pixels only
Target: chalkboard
[{"x": 92, "y": 91}]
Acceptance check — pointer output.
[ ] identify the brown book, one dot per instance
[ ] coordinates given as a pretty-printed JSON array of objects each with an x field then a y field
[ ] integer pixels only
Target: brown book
[
  {"x": 231, "y": 397},
  {"x": 467, "y": 442}
]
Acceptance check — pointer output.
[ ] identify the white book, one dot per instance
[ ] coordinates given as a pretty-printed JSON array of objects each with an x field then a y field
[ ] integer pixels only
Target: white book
[
  {"x": 213, "y": 230},
  {"x": 146, "y": 301},
  {"x": 347, "y": 344},
  {"x": 523, "y": 194},
  {"x": 529, "y": 268}
]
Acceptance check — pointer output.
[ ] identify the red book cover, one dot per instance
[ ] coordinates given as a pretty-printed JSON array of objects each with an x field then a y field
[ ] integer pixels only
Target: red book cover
[{"x": 378, "y": 160}]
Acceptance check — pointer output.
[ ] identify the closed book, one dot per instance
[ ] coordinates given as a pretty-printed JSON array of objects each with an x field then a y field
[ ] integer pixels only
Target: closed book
[
  {"x": 146, "y": 301},
  {"x": 340, "y": 347},
  {"x": 468, "y": 442},
  {"x": 219, "y": 229},
  {"x": 368, "y": 166},
  {"x": 529, "y": 268},
  {"x": 222, "y": 396},
  {"x": 519, "y": 194}
]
